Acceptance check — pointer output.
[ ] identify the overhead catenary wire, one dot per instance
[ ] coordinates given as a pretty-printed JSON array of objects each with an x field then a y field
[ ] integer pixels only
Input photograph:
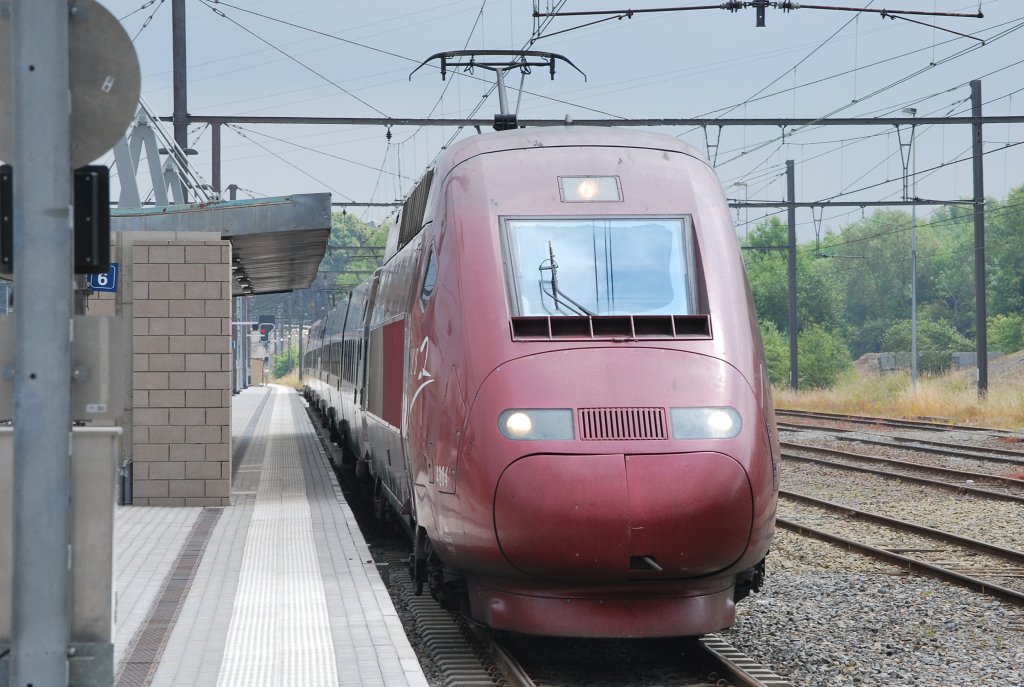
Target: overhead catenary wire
[
  {"x": 243, "y": 134},
  {"x": 293, "y": 58},
  {"x": 148, "y": 20},
  {"x": 795, "y": 130},
  {"x": 318, "y": 151},
  {"x": 791, "y": 138}
]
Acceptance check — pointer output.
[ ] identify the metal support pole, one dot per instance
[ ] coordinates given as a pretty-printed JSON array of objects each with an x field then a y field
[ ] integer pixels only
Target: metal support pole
[
  {"x": 913, "y": 251},
  {"x": 180, "y": 79},
  {"x": 42, "y": 377},
  {"x": 236, "y": 342},
  {"x": 502, "y": 98},
  {"x": 243, "y": 342},
  {"x": 979, "y": 241},
  {"x": 215, "y": 156},
  {"x": 302, "y": 323},
  {"x": 794, "y": 377}
]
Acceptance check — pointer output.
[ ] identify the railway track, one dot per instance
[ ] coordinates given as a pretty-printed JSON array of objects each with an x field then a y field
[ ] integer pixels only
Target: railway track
[
  {"x": 934, "y": 425},
  {"x": 963, "y": 481},
  {"x": 466, "y": 654},
  {"x": 992, "y": 454},
  {"x": 1004, "y": 460},
  {"x": 689, "y": 662},
  {"x": 989, "y": 453},
  {"x": 977, "y": 565}
]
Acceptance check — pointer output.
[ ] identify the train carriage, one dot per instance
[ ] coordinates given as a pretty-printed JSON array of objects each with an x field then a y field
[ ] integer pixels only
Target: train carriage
[{"x": 563, "y": 395}]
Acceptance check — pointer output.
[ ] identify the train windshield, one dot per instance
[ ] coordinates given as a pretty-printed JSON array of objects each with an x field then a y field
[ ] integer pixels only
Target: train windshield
[{"x": 604, "y": 266}]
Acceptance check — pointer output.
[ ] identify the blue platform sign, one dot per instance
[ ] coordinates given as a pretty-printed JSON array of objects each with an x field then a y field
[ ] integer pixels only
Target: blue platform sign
[{"x": 105, "y": 281}]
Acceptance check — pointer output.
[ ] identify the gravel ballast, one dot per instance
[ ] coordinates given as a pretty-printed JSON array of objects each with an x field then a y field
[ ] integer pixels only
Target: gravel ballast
[{"x": 832, "y": 618}]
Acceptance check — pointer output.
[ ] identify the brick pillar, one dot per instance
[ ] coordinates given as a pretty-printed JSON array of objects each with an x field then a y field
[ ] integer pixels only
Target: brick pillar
[{"x": 181, "y": 379}]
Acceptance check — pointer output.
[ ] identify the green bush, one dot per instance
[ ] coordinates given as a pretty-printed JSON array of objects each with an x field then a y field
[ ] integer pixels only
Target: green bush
[
  {"x": 281, "y": 366},
  {"x": 1006, "y": 333},
  {"x": 823, "y": 357},
  {"x": 936, "y": 343}
]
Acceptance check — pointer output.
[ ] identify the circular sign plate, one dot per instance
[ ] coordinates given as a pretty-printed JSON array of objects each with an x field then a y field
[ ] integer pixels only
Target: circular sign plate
[{"x": 105, "y": 82}]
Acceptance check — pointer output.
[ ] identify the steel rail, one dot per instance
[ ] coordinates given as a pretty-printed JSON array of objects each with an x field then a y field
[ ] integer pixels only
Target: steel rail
[
  {"x": 999, "y": 455},
  {"x": 951, "y": 472},
  {"x": 798, "y": 427},
  {"x": 740, "y": 667},
  {"x": 944, "y": 448},
  {"x": 966, "y": 542},
  {"x": 911, "y": 564},
  {"x": 710, "y": 655},
  {"x": 986, "y": 493},
  {"x": 889, "y": 422},
  {"x": 511, "y": 669}
]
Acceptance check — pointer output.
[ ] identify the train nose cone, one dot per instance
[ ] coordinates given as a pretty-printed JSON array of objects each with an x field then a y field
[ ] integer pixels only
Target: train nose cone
[{"x": 623, "y": 517}]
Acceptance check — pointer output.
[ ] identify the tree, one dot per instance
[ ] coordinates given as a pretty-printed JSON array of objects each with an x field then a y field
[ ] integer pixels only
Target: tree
[
  {"x": 767, "y": 272},
  {"x": 819, "y": 293},
  {"x": 874, "y": 269},
  {"x": 1006, "y": 333},
  {"x": 936, "y": 342},
  {"x": 354, "y": 250},
  {"x": 949, "y": 267},
  {"x": 823, "y": 357},
  {"x": 1004, "y": 229},
  {"x": 776, "y": 353}
]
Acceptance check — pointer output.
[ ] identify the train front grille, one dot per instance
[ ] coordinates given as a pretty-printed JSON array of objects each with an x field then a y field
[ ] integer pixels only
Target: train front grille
[{"x": 637, "y": 424}]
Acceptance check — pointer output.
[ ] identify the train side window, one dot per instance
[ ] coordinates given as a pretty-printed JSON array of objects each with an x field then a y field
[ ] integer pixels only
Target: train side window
[{"x": 429, "y": 278}]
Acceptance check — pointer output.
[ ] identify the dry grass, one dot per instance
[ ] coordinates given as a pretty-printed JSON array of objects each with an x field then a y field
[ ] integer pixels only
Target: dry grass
[
  {"x": 291, "y": 379},
  {"x": 952, "y": 397}
]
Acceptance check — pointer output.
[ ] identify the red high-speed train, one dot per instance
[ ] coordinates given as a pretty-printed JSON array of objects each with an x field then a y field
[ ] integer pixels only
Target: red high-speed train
[{"x": 555, "y": 382}]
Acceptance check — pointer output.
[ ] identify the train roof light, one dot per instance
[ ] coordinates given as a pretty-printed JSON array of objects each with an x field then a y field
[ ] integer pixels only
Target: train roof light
[{"x": 590, "y": 189}]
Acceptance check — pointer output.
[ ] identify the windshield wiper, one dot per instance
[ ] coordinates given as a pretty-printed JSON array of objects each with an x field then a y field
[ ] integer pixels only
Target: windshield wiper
[{"x": 559, "y": 297}]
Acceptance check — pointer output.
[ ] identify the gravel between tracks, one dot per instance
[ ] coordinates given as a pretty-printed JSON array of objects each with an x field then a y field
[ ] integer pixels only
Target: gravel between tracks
[
  {"x": 832, "y": 618},
  {"x": 828, "y": 617},
  {"x": 968, "y": 464},
  {"x": 997, "y": 522}
]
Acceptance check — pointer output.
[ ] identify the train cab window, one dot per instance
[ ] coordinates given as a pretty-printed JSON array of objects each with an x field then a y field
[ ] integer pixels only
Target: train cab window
[
  {"x": 429, "y": 278},
  {"x": 601, "y": 266}
]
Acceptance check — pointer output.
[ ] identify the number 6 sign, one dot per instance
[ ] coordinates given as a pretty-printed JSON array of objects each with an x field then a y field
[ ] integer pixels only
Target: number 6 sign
[{"x": 105, "y": 281}]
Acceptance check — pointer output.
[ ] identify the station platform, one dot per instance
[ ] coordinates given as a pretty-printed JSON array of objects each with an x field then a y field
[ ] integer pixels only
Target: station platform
[{"x": 277, "y": 589}]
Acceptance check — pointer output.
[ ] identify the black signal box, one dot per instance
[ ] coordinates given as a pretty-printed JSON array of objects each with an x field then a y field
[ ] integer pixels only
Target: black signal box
[
  {"x": 6, "y": 220},
  {"x": 92, "y": 219},
  {"x": 91, "y": 188}
]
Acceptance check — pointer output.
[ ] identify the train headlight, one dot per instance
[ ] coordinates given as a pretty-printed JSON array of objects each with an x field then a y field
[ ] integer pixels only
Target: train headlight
[
  {"x": 705, "y": 423},
  {"x": 536, "y": 423},
  {"x": 518, "y": 424},
  {"x": 589, "y": 189}
]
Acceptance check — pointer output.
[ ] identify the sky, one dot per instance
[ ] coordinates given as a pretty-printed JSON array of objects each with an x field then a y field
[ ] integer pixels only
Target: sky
[{"x": 349, "y": 59}]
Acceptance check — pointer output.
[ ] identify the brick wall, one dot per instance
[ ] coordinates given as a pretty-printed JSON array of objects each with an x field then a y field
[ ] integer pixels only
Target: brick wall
[{"x": 181, "y": 372}]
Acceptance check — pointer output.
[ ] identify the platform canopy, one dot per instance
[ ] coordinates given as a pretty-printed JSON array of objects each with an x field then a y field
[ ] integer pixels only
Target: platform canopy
[{"x": 277, "y": 243}]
